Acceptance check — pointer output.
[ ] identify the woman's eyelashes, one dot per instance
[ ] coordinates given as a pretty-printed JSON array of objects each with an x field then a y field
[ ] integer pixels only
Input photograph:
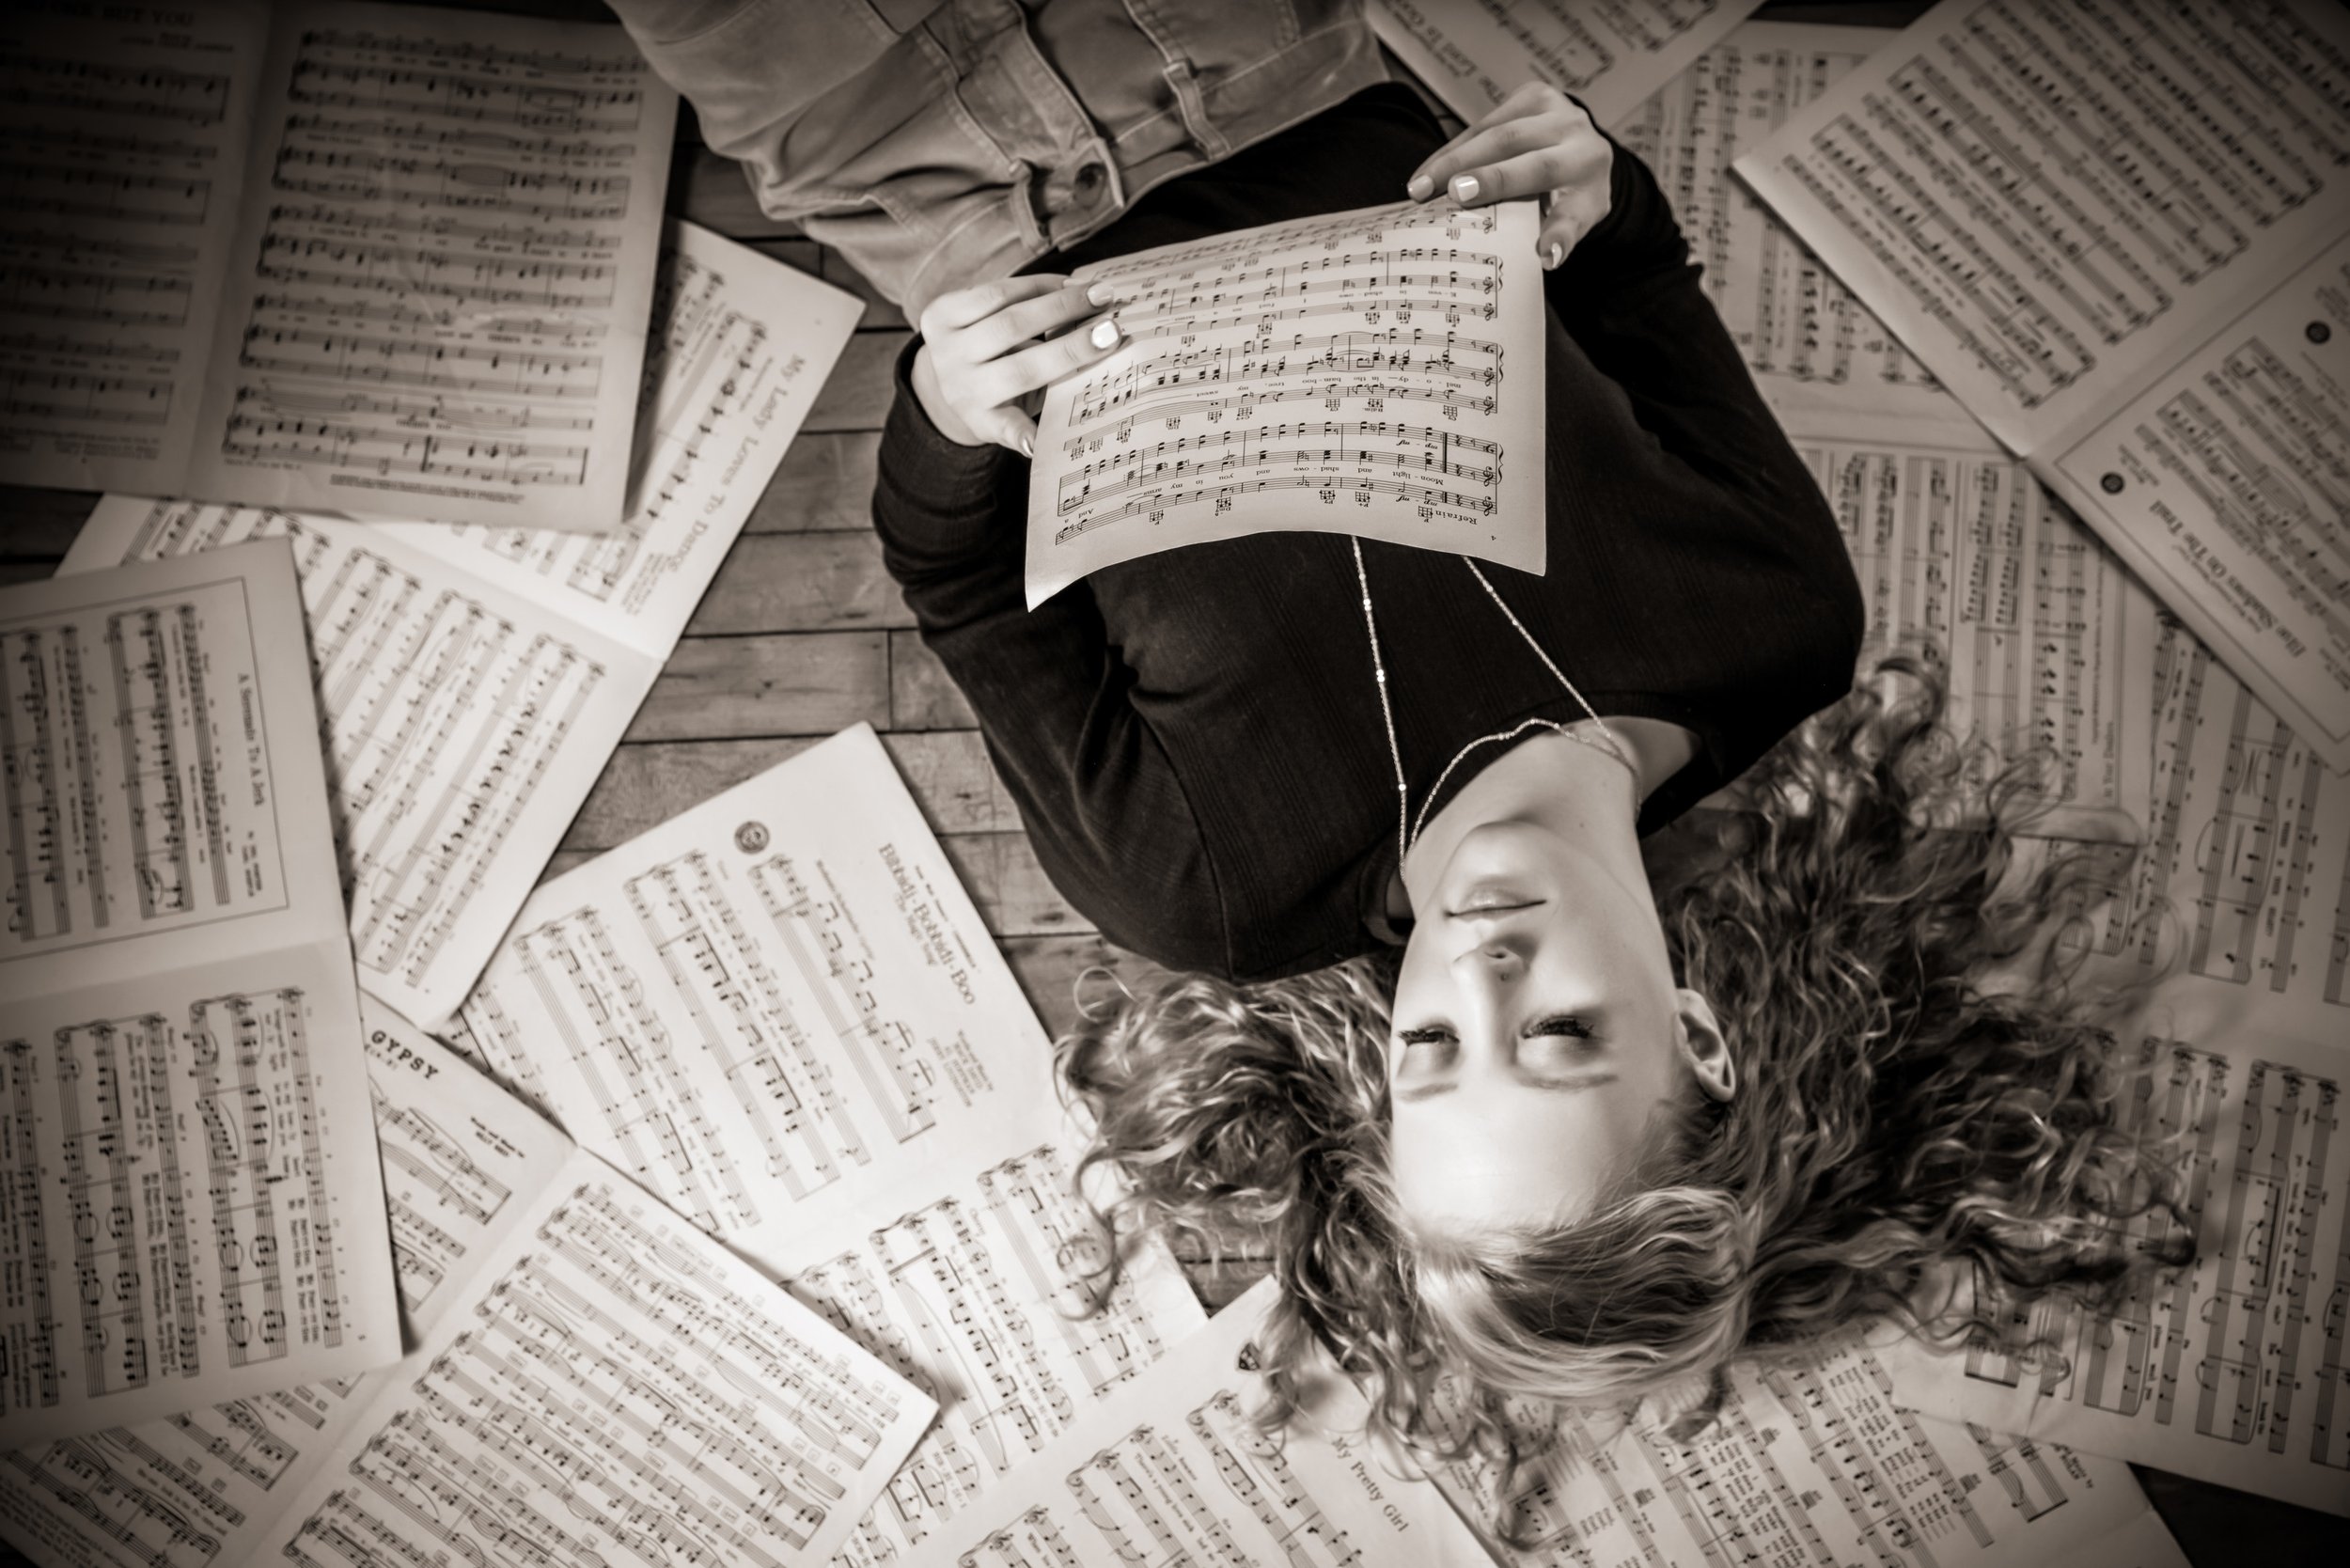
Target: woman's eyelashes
[{"x": 1557, "y": 1027}]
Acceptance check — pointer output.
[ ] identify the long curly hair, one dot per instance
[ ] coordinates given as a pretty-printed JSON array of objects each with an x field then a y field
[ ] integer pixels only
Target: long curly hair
[{"x": 1926, "y": 1097}]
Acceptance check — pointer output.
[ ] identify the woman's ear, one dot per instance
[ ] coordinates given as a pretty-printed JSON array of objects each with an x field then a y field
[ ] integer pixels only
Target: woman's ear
[{"x": 1703, "y": 1046}]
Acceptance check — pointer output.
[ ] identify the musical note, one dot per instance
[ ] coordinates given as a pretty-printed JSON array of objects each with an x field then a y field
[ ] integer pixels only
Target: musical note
[
  {"x": 1809, "y": 342},
  {"x": 2116, "y": 235},
  {"x": 975, "y": 1296},
  {"x": 1810, "y": 1460},
  {"x": 594, "y": 1378},
  {"x": 472, "y": 213},
  {"x": 473, "y": 682},
  {"x": 416, "y": 187},
  {"x": 2235, "y": 1366},
  {"x": 122, "y": 145},
  {"x": 210, "y": 1240},
  {"x": 2044, "y": 638},
  {"x": 1394, "y": 305},
  {"x": 762, "y": 1012},
  {"x": 1611, "y": 57}
]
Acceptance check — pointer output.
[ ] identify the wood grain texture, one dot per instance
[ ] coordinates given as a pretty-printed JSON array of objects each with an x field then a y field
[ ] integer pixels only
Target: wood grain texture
[
  {"x": 803, "y": 582},
  {"x": 923, "y": 696},
  {"x": 793, "y": 683},
  {"x": 1014, "y": 896},
  {"x": 823, "y": 485},
  {"x": 645, "y": 784},
  {"x": 711, "y": 189},
  {"x": 855, "y": 397}
]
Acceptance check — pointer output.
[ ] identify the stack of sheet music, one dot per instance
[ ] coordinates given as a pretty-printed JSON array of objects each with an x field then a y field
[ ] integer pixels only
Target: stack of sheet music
[{"x": 721, "y": 1208}]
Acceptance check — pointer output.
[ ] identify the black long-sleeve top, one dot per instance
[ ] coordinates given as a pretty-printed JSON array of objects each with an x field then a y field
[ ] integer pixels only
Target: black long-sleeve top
[{"x": 1194, "y": 738}]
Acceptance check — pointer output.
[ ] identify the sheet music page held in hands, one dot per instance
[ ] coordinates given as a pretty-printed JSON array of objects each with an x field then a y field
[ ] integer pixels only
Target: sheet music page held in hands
[{"x": 1376, "y": 373}]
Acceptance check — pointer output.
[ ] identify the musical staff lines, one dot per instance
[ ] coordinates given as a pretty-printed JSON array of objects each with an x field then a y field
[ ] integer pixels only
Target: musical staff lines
[
  {"x": 1610, "y": 56},
  {"x": 1811, "y": 1462},
  {"x": 446, "y": 716},
  {"x": 1807, "y": 339},
  {"x": 2236, "y": 1359},
  {"x": 2256, "y": 445},
  {"x": 115, "y": 1115},
  {"x": 739, "y": 345},
  {"x": 2040, "y": 627},
  {"x": 2242, "y": 888},
  {"x": 651, "y": 1108},
  {"x": 154, "y": 1527},
  {"x": 2041, "y": 194},
  {"x": 31, "y": 1370},
  {"x": 416, "y": 190},
  {"x": 127, "y": 808},
  {"x": 62, "y": 83},
  {"x": 1251, "y": 1465},
  {"x": 1417, "y": 312},
  {"x": 810, "y": 916},
  {"x": 252, "y": 1080},
  {"x": 617, "y": 1393},
  {"x": 239, "y": 1436},
  {"x": 121, "y": 163}
]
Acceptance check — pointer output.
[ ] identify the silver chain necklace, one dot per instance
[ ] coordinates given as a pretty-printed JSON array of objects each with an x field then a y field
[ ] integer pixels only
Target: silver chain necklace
[{"x": 1407, "y": 828}]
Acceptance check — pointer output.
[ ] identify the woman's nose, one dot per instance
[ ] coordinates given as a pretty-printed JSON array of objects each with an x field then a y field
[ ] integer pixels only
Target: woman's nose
[{"x": 1497, "y": 959}]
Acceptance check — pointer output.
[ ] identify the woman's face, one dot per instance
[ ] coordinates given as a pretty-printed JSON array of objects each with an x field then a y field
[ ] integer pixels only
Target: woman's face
[{"x": 1537, "y": 1033}]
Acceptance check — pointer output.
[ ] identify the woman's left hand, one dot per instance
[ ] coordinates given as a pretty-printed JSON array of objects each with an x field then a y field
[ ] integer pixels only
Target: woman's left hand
[{"x": 1536, "y": 142}]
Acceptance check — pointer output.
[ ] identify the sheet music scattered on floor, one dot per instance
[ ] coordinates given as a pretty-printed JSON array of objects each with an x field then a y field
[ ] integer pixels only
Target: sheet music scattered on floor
[
  {"x": 192, "y": 1212},
  {"x": 1376, "y": 373},
  {"x": 2238, "y": 903},
  {"x": 2235, "y": 1370},
  {"x": 594, "y": 1381},
  {"x": 1809, "y": 342},
  {"x": 1175, "y": 1472},
  {"x": 2145, "y": 303},
  {"x": 1610, "y": 54},
  {"x": 781, "y": 1010},
  {"x": 1813, "y": 1466},
  {"x": 2049, "y": 644},
  {"x": 474, "y": 681},
  {"x": 398, "y": 263}
]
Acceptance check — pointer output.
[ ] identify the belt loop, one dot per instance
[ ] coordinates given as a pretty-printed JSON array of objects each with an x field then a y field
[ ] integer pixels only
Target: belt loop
[{"x": 1204, "y": 136}]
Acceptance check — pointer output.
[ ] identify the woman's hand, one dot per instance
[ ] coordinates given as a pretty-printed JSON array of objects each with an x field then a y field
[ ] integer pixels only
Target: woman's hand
[
  {"x": 985, "y": 348},
  {"x": 1536, "y": 142}
]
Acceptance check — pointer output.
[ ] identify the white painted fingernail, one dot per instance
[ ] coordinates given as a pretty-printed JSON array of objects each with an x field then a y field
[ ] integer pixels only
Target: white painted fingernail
[
  {"x": 1421, "y": 187},
  {"x": 1105, "y": 333},
  {"x": 1558, "y": 252},
  {"x": 1027, "y": 446},
  {"x": 1464, "y": 187},
  {"x": 1102, "y": 293}
]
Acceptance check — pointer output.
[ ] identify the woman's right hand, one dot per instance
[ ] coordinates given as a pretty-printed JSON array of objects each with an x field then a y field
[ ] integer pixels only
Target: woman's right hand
[{"x": 986, "y": 348}]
